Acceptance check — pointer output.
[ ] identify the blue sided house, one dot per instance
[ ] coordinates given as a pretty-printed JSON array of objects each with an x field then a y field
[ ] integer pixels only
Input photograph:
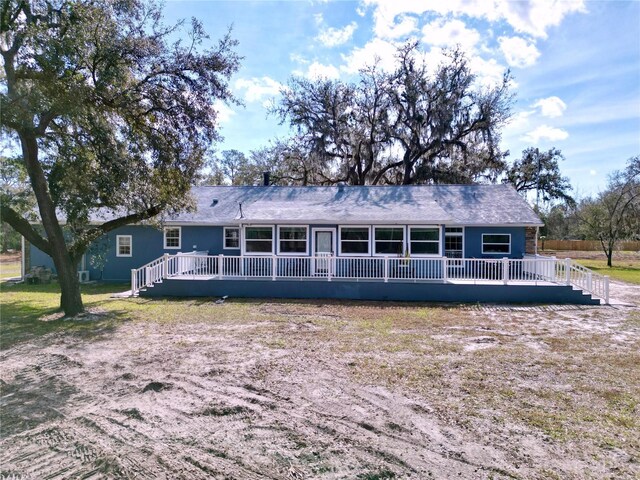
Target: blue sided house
[{"x": 458, "y": 243}]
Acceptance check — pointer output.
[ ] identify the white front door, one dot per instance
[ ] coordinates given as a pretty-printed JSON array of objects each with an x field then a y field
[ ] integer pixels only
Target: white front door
[{"x": 323, "y": 246}]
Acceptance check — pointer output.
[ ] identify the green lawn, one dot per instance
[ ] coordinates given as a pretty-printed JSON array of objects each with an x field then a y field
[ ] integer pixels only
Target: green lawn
[
  {"x": 623, "y": 270},
  {"x": 9, "y": 269}
]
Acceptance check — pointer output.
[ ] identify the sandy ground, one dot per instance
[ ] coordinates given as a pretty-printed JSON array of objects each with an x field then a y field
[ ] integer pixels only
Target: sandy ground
[{"x": 288, "y": 393}]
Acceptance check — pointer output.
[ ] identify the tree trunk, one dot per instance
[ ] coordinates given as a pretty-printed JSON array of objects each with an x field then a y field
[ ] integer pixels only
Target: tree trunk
[
  {"x": 70, "y": 296},
  {"x": 610, "y": 257},
  {"x": 71, "y": 300}
]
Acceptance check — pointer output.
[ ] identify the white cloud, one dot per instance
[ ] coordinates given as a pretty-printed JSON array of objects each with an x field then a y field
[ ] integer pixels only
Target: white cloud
[
  {"x": 593, "y": 173},
  {"x": 319, "y": 19},
  {"x": 536, "y": 16},
  {"x": 532, "y": 17},
  {"x": 332, "y": 37},
  {"x": 297, "y": 58},
  {"x": 488, "y": 72},
  {"x": 443, "y": 33},
  {"x": 545, "y": 132},
  {"x": 224, "y": 111},
  {"x": 518, "y": 52},
  {"x": 318, "y": 70},
  {"x": 551, "y": 107},
  {"x": 256, "y": 89},
  {"x": 360, "y": 57}
]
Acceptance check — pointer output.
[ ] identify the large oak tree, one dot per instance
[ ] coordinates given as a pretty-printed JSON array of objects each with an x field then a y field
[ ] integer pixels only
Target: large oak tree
[
  {"x": 113, "y": 111},
  {"x": 418, "y": 124}
]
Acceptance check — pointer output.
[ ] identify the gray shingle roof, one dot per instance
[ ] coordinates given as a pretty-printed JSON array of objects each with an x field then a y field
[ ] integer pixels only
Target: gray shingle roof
[{"x": 428, "y": 204}]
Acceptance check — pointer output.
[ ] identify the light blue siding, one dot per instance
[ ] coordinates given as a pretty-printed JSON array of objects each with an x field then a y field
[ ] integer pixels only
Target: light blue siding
[{"x": 148, "y": 244}]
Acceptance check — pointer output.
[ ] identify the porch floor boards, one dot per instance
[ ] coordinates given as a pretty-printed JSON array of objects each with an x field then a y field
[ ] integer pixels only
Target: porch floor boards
[{"x": 368, "y": 280}]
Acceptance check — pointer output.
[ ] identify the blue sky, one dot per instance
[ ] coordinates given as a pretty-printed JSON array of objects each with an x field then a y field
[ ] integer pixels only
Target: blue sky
[{"x": 576, "y": 64}]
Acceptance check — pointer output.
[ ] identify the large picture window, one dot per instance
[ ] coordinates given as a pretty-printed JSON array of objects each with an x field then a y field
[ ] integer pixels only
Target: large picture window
[
  {"x": 388, "y": 240},
  {"x": 231, "y": 237},
  {"x": 292, "y": 240},
  {"x": 354, "y": 240},
  {"x": 124, "y": 246},
  {"x": 494, "y": 243},
  {"x": 424, "y": 240},
  {"x": 172, "y": 237},
  {"x": 258, "y": 240}
]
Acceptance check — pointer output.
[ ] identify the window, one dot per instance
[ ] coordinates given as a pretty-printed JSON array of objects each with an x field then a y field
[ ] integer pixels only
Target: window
[
  {"x": 231, "y": 237},
  {"x": 123, "y": 246},
  {"x": 172, "y": 237},
  {"x": 453, "y": 242},
  {"x": 258, "y": 240},
  {"x": 354, "y": 240},
  {"x": 493, "y": 243},
  {"x": 388, "y": 240},
  {"x": 424, "y": 240},
  {"x": 292, "y": 240}
]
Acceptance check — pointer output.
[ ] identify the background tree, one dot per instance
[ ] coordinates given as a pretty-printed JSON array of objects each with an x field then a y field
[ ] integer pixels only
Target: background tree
[
  {"x": 108, "y": 114},
  {"x": 540, "y": 172},
  {"x": 409, "y": 126},
  {"x": 612, "y": 215},
  {"x": 444, "y": 121}
]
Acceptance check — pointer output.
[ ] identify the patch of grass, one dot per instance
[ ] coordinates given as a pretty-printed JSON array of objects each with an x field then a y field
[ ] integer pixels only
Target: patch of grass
[
  {"x": 623, "y": 270},
  {"x": 10, "y": 269}
]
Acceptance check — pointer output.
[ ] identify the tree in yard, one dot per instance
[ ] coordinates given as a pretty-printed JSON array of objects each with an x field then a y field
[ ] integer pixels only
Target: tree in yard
[
  {"x": 539, "y": 171},
  {"x": 14, "y": 190},
  {"x": 109, "y": 116},
  {"x": 613, "y": 214}
]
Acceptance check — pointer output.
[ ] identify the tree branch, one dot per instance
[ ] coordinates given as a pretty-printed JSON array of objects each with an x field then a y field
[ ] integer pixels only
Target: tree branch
[
  {"x": 83, "y": 240},
  {"x": 24, "y": 228}
]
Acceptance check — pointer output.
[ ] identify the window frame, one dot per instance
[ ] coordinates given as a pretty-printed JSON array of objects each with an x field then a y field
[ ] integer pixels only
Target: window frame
[
  {"x": 224, "y": 238},
  {"x": 496, "y": 253},
  {"x": 404, "y": 240},
  {"x": 244, "y": 240},
  {"x": 340, "y": 228},
  {"x": 118, "y": 254},
  {"x": 179, "y": 238},
  {"x": 306, "y": 241},
  {"x": 425, "y": 255},
  {"x": 454, "y": 234}
]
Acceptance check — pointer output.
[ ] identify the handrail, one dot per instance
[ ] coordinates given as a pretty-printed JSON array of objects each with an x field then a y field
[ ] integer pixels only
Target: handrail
[{"x": 530, "y": 269}]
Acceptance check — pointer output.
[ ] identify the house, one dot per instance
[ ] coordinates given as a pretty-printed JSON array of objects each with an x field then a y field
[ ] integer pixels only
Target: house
[{"x": 431, "y": 243}]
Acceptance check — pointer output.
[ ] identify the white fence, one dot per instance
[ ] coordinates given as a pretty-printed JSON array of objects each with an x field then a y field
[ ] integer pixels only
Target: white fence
[{"x": 531, "y": 270}]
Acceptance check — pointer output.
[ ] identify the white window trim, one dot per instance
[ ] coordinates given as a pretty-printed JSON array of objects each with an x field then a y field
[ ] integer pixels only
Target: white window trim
[
  {"x": 456, "y": 234},
  {"x": 164, "y": 244},
  {"x": 340, "y": 227},
  {"x": 496, "y": 253},
  {"x": 118, "y": 237},
  {"x": 294, "y": 254},
  {"x": 373, "y": 240},
  {"x": 224, "y": 238},
  {"x": 426, "y": 255},
  {"x": 243, "y": 242}
]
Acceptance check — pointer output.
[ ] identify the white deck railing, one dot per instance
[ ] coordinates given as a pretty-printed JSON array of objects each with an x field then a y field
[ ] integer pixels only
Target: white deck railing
[{"x": 536, "y": 270}]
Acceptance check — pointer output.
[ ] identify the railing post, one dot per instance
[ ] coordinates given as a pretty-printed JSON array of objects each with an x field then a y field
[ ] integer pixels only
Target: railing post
[
  {"x": 386, "y": 269},
  {"x": 165, "y": 266},
  {"x": 147, "y": 276},
  {"x": 567, "y": 270},
  {"x": 330, "y": 265},
  {"x": 606, "y": 289},
  {"x": 133, "y": 282},
  {"x": 445, "y": 269},
  {"x": 274, "y": 267},
  {"x": 589, "y": 281},
  {"x": 505, "y": 270},
  {"x": 221, "y": 266}
]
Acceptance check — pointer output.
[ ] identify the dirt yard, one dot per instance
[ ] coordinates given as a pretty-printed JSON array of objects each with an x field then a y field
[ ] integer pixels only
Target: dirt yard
[{"x": 289, "y": 390}]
